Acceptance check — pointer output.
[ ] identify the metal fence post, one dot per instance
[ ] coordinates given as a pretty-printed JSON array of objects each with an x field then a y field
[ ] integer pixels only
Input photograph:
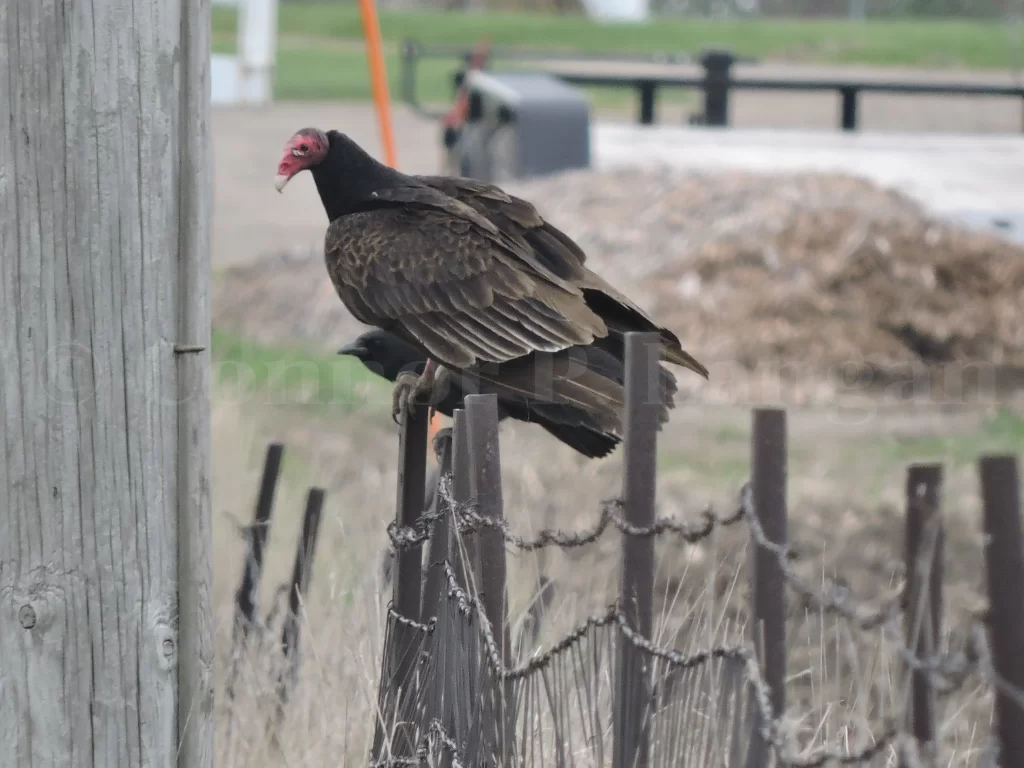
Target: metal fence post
[
  {"x": 297, "y": 593},
  {"x": 648, "y": 93},
  {"x": 485, "y": 484},
  {"x": 768, "y": 584},
  {"x": 1004, "y": 556},
  {"x": 465, "y": 556},
  {"x": 923, "y": 606},
  {"x": 256, "y": 540},
  {"x": 848, "y": 99},
  {"x": 439, "y": 699},
  {"x": 641, "y": 420},
  {"x": 440, "y": 535},
  {"x": 717, "y": 80},
  {"x": 464, "y": 660},
  {"x": 397, "y": 677}
]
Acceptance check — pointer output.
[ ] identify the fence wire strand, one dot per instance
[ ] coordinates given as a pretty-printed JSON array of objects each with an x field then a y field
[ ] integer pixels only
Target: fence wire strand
[
  {"x": 457, "y": 652},
  {"x": 948, "y": 672},
  {"x": 469, "y": 521}
]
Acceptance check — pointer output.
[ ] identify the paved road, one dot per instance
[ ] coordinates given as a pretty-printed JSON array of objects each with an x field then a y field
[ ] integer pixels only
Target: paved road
[{"x": 967, "y": 175}]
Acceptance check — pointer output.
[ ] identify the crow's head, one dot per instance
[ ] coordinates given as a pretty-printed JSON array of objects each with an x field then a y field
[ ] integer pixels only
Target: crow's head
[{"x": 385, "y": 354}]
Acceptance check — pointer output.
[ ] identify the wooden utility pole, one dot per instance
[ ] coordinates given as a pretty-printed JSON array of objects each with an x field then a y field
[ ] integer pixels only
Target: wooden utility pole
[{"x": 105, "y": 575}]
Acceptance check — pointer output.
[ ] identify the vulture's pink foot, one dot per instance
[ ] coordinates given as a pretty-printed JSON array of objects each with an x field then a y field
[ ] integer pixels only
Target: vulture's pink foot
[{"x": 410, "y": 391}]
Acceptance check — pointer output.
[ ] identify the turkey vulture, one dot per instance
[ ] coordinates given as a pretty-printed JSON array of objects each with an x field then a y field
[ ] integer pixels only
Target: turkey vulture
[
  {"x": 388, "y": 356},
  {"x": 470, "y": 275}
]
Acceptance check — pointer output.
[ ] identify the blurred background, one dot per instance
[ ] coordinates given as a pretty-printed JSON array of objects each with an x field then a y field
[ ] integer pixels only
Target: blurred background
[
  {"x": 315, "y": 38},
  {"x": 863, "y": 269}
]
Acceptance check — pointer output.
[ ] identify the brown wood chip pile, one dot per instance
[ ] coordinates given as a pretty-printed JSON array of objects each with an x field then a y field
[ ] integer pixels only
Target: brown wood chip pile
[
  {"x": 814, "y": 270},
  {"x": 284, "y": 299}
]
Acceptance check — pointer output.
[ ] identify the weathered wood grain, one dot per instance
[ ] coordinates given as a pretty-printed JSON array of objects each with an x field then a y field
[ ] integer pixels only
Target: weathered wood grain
[
  {"x": 195, "y": 540},
  {"x": 104, "y": 500}
]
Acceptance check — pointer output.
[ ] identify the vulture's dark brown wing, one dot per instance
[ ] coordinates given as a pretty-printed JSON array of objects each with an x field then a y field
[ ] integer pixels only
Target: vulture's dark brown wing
[
  {"x": 561, "y": 255},
  {"x": 556, "y": 250},
  {"x": 621, "y": 315},
  {"x": 432, "y": 269}
]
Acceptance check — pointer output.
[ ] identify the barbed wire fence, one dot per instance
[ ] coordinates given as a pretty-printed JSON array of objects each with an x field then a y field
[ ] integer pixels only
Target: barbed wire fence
[
  {"x": 250, "y": 630},
  {"x": 455, "y": 690}
]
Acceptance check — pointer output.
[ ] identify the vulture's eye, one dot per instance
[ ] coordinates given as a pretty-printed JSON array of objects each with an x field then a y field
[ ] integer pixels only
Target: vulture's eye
[{"x": 304, "y": 147}]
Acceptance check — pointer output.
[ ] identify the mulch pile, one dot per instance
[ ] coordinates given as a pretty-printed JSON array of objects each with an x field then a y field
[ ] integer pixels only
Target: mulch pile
[{"x": 817, "y": 275}]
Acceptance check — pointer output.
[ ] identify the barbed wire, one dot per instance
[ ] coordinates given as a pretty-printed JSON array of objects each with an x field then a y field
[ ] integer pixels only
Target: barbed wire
[
  {"x": 946, "y": 672},
  {"x": 423, "y": 629},
  {"x": 978, "y": 648},
  {"x": 768, "y": 727},
  {"x": 434, "y": 730},
  {"x": 469, "y": 520},
  {"x": 949, "y": 671},
  {"x": 834, "y": 598}
]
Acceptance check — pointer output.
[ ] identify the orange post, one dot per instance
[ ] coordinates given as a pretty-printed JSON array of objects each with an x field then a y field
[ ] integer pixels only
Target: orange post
[
  {"x": 379, "y": 78},
  {"x": 381, "y": 97}
]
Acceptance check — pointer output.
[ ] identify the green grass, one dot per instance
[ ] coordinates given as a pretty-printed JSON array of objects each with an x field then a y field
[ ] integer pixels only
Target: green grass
[
  {"x": 312, "y": 70},
  {"x": 999, "y": 434},
  {"x": 910, "y": 42},
  {"x": 311, "y": 74},
  {"x": 321, "y": 56},
  {"x": 291, "y": 376}
]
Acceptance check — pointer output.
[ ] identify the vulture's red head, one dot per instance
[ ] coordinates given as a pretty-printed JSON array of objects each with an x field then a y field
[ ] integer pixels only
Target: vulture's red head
[{"x": 304, "y": 150}]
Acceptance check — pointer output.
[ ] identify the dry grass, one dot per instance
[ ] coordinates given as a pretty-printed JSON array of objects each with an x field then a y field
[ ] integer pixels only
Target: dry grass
[
  {"x": 846, "y": 514},
  {"x": 327, "y": 719}
]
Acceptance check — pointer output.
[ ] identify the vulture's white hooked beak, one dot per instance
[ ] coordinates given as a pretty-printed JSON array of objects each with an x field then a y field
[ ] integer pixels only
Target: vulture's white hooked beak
[{"x": 280, "y": 180}]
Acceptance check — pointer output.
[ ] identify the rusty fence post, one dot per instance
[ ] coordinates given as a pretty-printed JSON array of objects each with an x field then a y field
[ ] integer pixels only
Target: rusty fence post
[
  {"x": 297, "y": 592},
  {"x": 246, "y": 598},
  {"x": 485, "y": 486},
  {"x": 397, "y": 696},
  {"x": 439, "y": 697},
  {"x": 465, "y": 557},
  {"x": 769, "y": 457},
  {"x": 1004, "y": 559},
  {"x": 463, "y": 659},
  {"x": 923, "y": 601},
  {"x": 439, "y": 546},
  {"x": 631, "y": 747}
]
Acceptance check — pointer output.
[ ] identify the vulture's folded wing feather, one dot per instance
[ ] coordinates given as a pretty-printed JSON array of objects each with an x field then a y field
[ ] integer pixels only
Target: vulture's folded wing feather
[
  {"x": 464, "y": 217},
  {"x": 556, "y": 250},
  {"x": 621, "y": 315},
  {"x": 560, "y": 255},
  {"x": 463, "y": 290}
]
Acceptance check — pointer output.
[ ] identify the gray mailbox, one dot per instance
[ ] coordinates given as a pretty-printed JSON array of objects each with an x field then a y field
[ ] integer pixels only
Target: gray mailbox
[{"x": 522, "y": 124}]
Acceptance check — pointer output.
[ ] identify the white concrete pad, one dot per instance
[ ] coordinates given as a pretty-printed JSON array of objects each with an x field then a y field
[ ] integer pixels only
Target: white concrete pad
[{"x": 972, "y": 178}]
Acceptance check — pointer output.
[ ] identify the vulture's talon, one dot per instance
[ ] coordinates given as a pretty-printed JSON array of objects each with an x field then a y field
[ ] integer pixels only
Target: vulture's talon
[
  {"x": 411, "y": 390},
  {"x": 405, "y": 384}
]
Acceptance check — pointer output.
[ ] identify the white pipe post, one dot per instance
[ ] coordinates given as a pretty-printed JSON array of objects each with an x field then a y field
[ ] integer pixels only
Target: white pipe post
[{"x": 257, "y": 47}]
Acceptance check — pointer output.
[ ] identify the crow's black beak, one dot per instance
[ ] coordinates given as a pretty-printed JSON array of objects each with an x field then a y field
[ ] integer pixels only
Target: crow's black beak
[{"x": 355, "y": 349}]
